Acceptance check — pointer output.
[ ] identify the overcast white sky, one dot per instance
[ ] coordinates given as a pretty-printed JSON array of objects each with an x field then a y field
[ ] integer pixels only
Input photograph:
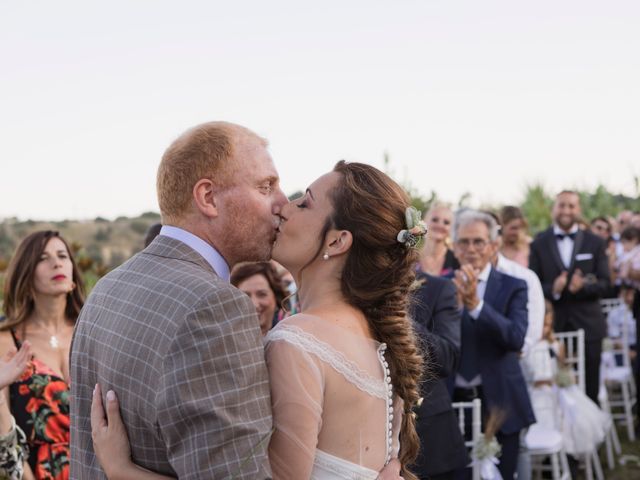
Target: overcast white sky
[{"x": 480, "y": 96}]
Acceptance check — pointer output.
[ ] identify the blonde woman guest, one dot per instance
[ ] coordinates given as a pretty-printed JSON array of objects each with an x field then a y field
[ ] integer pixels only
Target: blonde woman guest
[
  {"x": 436, "y": 258},
  {"x": 515, "y": 239}
]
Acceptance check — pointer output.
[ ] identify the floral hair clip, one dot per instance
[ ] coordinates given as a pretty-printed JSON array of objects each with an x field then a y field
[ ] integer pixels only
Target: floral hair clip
[{"x": 416, "y": 228}]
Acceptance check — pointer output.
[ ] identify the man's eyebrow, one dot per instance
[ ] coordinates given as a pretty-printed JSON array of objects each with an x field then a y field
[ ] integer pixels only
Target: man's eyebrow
[{"x": 310, "y": 194}]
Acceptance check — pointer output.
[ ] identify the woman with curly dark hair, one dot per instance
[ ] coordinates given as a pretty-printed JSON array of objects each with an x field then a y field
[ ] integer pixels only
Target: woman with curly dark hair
[{"x": 43, "y": 295}]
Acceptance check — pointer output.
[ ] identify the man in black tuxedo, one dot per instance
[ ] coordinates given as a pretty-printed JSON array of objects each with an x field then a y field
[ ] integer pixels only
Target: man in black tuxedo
[
  {"x": 573, "y": 269},
  {"x": 494, "y": 325},
  {"x": 437, "y": 322}
]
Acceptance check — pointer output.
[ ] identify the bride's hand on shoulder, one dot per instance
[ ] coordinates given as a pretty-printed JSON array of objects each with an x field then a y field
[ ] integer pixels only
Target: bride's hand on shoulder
[{"x": 391, "y": 471}]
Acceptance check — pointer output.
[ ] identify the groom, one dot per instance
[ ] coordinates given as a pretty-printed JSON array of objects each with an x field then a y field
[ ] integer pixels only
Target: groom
[{"x": 179, "y": 345}]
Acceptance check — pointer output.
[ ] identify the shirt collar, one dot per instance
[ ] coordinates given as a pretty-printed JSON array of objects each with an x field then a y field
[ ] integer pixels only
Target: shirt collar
[
  {"x": 558, "y": 231},
  {"x": 484, "y": 274},
  {"x": 210, "y": 254}
]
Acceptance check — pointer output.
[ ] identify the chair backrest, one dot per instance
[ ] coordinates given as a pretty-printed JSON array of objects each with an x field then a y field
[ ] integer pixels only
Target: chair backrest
[
  {"x": 462, "y": 409},
  {"x": 608, "y": 304},
  {"x": 620, "y": 345},
  {"x": 574, "y": 354}
]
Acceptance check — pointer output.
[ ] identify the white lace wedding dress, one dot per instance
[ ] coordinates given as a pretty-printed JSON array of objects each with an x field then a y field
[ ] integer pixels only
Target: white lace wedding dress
[{"x": 335, "y": 414}]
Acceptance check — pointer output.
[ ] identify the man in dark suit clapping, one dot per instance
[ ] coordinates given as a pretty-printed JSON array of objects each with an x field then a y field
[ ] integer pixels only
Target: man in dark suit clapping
[
  {"x": 494, "y": 324},
  {"x": 573, "y": 269}
]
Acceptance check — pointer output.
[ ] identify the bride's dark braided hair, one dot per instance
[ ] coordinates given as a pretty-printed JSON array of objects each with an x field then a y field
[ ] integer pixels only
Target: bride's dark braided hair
[{"x": 377, "y": 277}]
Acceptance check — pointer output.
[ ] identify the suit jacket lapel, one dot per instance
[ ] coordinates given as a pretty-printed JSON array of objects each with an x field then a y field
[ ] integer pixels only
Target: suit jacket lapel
[
  {"x": 552, "y": 246},
  {"x": 577, "y": 244},
  {"x": 494, "y": 283}
]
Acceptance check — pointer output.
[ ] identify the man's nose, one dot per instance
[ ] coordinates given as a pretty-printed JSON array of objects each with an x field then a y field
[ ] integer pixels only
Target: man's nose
[{"x": 280, "y": 201}]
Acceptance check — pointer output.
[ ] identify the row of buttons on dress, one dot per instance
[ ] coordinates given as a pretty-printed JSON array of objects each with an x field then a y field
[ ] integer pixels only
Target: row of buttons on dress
[{"x": 389, "y": 401}]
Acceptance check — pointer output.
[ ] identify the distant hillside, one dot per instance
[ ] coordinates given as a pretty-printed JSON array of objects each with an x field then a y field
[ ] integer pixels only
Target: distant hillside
[{"x": 99, "y": 244}]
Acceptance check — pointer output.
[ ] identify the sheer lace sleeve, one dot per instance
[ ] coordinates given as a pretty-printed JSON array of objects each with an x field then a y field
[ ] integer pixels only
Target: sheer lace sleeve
[{"x": 297, "y": 390}]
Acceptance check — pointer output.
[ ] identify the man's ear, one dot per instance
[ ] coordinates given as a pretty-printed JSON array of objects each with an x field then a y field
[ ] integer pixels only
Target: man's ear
[
  {"x": 205, "y": 197},
  {"x": 339, "y": 242}
]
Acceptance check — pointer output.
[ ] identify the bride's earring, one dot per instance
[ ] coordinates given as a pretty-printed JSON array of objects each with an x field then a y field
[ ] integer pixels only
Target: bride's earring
[{"x": 325, "y": 256}]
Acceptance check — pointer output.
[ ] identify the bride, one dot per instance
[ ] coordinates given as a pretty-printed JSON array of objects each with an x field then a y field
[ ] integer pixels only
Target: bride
[{"x": 344, "y": 373}]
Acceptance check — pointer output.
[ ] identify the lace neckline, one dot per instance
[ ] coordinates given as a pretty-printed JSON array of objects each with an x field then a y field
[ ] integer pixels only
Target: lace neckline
[{"x": 334, "y": 358}]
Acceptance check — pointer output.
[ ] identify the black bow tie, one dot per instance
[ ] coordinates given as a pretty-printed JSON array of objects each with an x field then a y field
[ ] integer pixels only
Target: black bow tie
[{"x": 562, "y": 236}]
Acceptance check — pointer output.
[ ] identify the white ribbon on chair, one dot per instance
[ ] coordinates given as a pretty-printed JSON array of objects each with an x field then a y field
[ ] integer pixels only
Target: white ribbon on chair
[{"x": 567, "y": 404}]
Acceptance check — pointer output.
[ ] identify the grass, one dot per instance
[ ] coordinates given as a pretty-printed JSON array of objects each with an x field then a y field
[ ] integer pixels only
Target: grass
[{"x": 630, "y": 470}]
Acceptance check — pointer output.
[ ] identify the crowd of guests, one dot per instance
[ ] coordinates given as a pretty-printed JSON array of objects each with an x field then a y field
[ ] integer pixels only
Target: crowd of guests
[
  {"x": 512, "y": 293},
  {"x": 487, "y": 302}
]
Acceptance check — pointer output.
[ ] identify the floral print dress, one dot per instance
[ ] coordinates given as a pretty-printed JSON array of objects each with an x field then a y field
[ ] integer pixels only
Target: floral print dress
[{"x": 40, "y": 405}]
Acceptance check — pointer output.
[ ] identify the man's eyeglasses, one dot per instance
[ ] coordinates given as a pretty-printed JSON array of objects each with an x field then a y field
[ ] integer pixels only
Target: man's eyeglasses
[{"x": 478, "y": 243}]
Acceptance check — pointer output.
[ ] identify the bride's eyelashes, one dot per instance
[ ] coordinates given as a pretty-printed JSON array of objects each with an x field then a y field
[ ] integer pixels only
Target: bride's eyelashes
[{"x": 303, "y": 203}]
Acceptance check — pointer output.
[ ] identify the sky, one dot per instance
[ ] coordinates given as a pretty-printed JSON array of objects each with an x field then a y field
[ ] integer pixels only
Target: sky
[{"x": 484, "y": 97}]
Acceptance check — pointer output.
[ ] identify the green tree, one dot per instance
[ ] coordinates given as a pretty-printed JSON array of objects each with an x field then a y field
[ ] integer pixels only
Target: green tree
[
  {"x": 139, "y": 226},
  {"x": 599, "y": 203},
  {"x": 537, "y": 208}
]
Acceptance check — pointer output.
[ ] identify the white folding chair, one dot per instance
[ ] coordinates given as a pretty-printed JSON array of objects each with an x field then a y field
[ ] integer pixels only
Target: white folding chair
[
  {"x": 608, "y": 304},
  {"x": 475, "y": 407},
  {"x": 574, "y": 357},
  {"x": 543, "y": 442},
  {"x": 619, "y": 380},
  {"x": 544, "y": 439},
  {"x": 612, "y": 441}
]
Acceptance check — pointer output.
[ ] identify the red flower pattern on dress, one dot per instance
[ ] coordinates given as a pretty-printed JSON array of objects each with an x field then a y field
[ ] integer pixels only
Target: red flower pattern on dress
[{"x": 45, "y": 411}]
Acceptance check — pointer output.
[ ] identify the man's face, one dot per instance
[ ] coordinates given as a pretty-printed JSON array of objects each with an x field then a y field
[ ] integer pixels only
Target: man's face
[
  {"x": 624, "y": 219},
  {"x": 250, "y": 207},
  {"x": 566, "y": 210},
  {"x": 601, "y": 229},
  {"x": 473, "y": 245}
]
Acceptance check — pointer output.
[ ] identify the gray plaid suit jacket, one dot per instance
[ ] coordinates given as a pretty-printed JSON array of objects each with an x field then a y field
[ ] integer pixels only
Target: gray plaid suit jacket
[{"x": 183, "y": 351}]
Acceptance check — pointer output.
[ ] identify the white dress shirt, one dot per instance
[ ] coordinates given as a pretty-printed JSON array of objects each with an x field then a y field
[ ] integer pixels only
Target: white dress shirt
[
  {"x": 535, "y": 298},
  {"x": 565, "y": 246},
  {"x": 210, "y": 254}
]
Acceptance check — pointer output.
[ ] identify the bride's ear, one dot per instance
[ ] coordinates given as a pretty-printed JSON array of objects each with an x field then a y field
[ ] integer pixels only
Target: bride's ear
[{"x": 340, "y": 242}]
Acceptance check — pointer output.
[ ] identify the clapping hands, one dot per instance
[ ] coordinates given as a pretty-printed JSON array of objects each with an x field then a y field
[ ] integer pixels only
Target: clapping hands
[
  {"x": 575, "y": 285},
  {"x": 466, "y": 281},
  {"x": 560, "y": 283},
  {"x": 577, "y": 281}
]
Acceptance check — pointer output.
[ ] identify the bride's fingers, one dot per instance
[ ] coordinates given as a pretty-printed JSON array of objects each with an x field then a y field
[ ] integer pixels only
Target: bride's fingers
[
  {"x": 113, "y": 412},
  {"x": 98, "y": 420}
]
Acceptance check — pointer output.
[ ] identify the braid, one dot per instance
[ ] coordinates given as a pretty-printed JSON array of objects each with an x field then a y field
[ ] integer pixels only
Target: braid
[{"x": 377, "y": 278}]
